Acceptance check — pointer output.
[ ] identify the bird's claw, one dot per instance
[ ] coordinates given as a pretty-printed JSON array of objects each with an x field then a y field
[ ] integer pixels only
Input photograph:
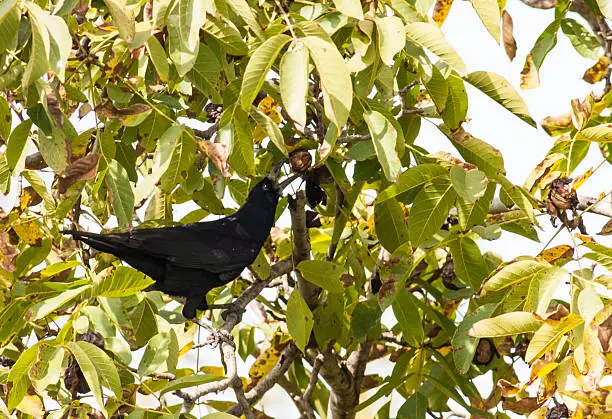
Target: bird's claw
[{"x": 216, "y": 336}]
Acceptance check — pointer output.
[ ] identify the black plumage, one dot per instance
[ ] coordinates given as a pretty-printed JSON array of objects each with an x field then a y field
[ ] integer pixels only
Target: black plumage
[{"x": 191, "y": 259}]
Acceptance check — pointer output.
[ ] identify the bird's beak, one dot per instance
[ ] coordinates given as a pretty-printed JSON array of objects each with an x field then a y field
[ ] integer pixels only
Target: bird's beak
[
  {"x": 287, "y": 181},
  {"x": 276, "y": 170}
]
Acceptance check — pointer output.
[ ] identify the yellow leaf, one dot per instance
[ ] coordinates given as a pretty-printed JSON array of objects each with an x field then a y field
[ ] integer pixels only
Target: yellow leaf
[
  {"x": 579, "y": 181},
  {"x": 31, "y": 405},
  {"x": 441, "y": 10},
  {"x": 557, "y": 253},
  {"x": 29, "y": 231},
  {"x": 597, "y": 71}
]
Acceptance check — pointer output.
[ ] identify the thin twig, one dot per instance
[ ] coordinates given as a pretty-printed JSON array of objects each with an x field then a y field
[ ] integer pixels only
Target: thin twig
[{"x": 314, "y": 378}]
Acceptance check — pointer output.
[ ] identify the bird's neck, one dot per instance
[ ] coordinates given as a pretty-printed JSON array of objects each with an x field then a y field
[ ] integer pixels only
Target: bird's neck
[{"x": 256, "y": 219}]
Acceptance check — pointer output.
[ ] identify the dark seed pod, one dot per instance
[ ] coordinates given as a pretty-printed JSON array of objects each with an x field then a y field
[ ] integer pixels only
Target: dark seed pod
[{"x": 300, "y": 160}]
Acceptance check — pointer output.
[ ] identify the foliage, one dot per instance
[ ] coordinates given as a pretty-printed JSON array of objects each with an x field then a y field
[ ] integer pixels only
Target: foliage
[{"x": 98, "y": 109}]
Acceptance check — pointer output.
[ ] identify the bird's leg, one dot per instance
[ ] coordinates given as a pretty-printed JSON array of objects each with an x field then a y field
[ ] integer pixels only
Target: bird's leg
[{"x": 216, "y": 335}]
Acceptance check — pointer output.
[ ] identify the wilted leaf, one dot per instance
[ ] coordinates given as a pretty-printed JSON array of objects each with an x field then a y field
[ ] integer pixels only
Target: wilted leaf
[
  {"x": 84, "y": 168},
  {"x": 606, "y": 229},
  {"x": 8, "y": 253},
  {"x": 219, "y": 155},
  {"x": 557, "y": 253},
  {"x": 529, "y": 74},
  {"x": 508, "y": 35},
  {"x": 598, "y": 70},
  {"x": 441, "y": 10}
]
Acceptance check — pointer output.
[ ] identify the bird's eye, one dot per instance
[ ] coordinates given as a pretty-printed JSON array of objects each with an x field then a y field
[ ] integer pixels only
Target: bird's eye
[{"x": 266, "y": 187}]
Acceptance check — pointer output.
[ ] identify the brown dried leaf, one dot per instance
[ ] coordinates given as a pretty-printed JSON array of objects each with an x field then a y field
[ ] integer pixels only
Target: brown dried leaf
[
  {"x": 444, "y": 157},
  {"x": 597, "y": 71},
  {"x": 555, "y": 125},
  {"x": 508, "y": 389},
  {"x": 82, "y": 169},
  {"x": 550, "y": 163},
  {"x": 54, "y": 109},
  {"x": 508, "y": 36},
  {"x": 522, "y": 407},
  {"x": 441, "y": 10},
  {"x": 606, "y": 229},
  {"x": 581, "y": 111},
  {"x": 108, "y": 110},
  {"x": 554, "y": 254},
  {"x": 219, "y": 154},
  {"x": 8, "y": 254},
  {"x": 370, "y": 381},
  {"x": 529, "y": 75}
]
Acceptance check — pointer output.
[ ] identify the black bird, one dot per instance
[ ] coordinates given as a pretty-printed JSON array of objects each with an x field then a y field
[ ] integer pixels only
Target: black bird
[{"x": 191, "y": 259}]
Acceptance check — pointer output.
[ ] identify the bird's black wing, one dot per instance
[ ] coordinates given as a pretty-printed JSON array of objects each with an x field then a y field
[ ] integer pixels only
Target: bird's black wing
[{"x": 214, "y": 246}]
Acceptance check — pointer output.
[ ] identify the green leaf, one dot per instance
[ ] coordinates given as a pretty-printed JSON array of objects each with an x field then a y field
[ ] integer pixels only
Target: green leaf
[
  {"x": 189, "y": 381},
  {"x": 431, "y": 37},
  {"x": 242, "y": 9},
  {"x": 155, "y": 355},
  {"x": 488, "y": 11},
  {"x": 121, "y": 192},
  {"x": 601, "y": 254},
  {"x": 54, "y": 149},
  {"x": 464, "y": 346},
  {"x": 455, "y": 110},
  {"x": 412, "y": 178},
  {"x": 482, "y": 154},
  {"x": 323, "y": 274},
  {"x": 470, "y": 186},
  {"x": 415, "y": 407},
  {"x": 600, "y": 134},
  {"x": 517, "y": 272},
  {"x": 549, "y": 334},
  {"x": 258, "y": 67},
  {"x": 227, "y": 34},
  {"x": 18, "y": 375},
  {"x": 294, "y": 82},
  {"x": 384, "y": 138},
  {"x": 335, "y": 79},
  {"x": 179, "y": 153},
  {"x": 10, "y": 16},
  {"x": 205, "y": 73},
  {"x": 507, "y": 324},
  {"x": 240, "y": 142},
  {"x": 365, "y": 319},
  {"x": 299, "y": 320},
  {"x": 430, "y": 210},
  {"x": 104, "y": 366},
  {"x": 123, "y": 17},
  {"x": 520, "y": 197},
  {"x": 143, "y": 323},
  {"x": 60, "y": 43},
  {"x": 498, "y": 89},
  {"x": 38, "y": 63},
  {"x": 542, "y": 288},
  {"x": 15, "y": 152},
  {"x": 43, "y": 308},
  {"x": 89, "y": 370},
  {"x": 159, "y": 58},
  {"x": 351, "y": 8},
  {"x": 437, "y": 87},
  {"x": 184, "y": 22},
  {"x": 583, "y": 41},
  {"x": 391, "y": 37},
  {"x": 126, "y": 281},
  {"x": 390, "y": 224},
  {"x": 6, "y": 119},
  {"x": 271, "y": 129},
  {"x": 408, "y": 317},
  {"x": 470, "y": 266}
]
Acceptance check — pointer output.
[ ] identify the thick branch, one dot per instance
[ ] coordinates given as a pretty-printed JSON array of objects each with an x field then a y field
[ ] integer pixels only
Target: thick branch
[{"x": 301, "y": 247}]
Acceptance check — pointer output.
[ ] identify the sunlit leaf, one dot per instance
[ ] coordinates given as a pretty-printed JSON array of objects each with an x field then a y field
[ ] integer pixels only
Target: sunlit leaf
[
  {"x": 432, "y": 38},
  {"x": 299, "y": 319},
  {"x": 294, "y": 83}
]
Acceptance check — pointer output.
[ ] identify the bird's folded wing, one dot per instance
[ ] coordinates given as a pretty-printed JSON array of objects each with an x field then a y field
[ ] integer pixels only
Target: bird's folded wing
[{"x": 212, "y": 250}]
